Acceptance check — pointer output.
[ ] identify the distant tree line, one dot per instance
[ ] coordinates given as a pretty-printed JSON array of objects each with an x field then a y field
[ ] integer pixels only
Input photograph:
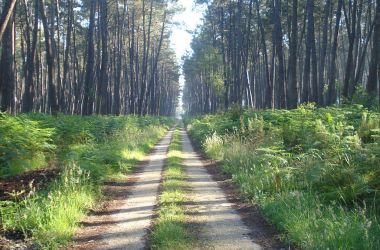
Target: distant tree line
[
  {"x": 279, "y": 54},
  {"x": 87, "y": 57}
]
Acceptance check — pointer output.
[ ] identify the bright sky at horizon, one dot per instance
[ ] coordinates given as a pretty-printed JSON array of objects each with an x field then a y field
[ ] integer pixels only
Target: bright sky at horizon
[{"x": 188, "y": 20}]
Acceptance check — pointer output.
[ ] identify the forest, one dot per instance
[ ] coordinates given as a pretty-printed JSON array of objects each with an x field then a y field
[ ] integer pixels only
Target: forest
[
  {"x": 278, "y": 54},
  {"x": 284, "y": 95},
  {"x": 87, "y": 57},
  {"x": 263, "y": 134}
]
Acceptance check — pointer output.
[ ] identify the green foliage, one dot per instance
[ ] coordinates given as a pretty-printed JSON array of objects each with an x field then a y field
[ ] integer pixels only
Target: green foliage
[
  {"x": 171, "y": 230},
  {"x": 312, "y": 224},
  {"x": 361, "y": 96},
  {"x": 369, "y": 130},
  {"x": 217, "y": 83},
  {"x": 51, "y": 217},
  {"x": 23, "y": 144},
  {"x": 311, "y": 169},
  {"x": 89, "y": 150}
]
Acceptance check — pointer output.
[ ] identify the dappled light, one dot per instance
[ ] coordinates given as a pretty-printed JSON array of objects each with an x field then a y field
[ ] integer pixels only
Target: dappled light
[{"x": 189, "y": 124}]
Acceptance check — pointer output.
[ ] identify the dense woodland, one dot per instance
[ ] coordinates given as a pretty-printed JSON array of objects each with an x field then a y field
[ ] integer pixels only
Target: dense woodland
[
  {"x": 278, "y": 54},
  {"x": 299, "y": 135},
  {"x": 87, "y": 57}
]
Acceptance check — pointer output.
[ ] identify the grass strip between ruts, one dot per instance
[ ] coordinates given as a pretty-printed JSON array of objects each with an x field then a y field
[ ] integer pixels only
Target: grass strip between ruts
[{"x": 172, "y": 229}]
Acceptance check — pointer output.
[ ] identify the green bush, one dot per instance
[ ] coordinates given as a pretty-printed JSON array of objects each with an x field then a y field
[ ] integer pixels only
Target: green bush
[
  {"x": 23, "y": 144},
  {"x": 89, "y": 150},
  {"x": 327, "y": 157}
]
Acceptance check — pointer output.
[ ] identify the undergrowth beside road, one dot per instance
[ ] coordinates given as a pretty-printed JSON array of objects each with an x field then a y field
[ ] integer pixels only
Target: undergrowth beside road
[
  {"x": 87, "y": 150},
  {"x": 171, "y": 230},
  {"x": 315, "y": 172}
]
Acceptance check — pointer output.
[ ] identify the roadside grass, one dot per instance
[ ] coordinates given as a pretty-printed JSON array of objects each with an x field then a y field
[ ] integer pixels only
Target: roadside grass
[
  {"x": 314, "y": 172},
  {"x": 92, "y": 150},
  {"x": 308, "y": 219},
  {"x": 171, "y": 229}
]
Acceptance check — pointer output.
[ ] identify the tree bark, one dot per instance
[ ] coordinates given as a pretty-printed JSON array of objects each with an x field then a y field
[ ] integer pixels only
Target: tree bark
[
  {"x": 50, "y": 60},
  {"x": 269, "y": 86},
  {"x": 374, "y": 68},
  {"x": 332, "y": 93},
  {"x": 7, "y": 71},
  {"x": 6, "y": 15},
  {"x": 280, "y": 55},
  {"x": 292, "y": 93},
  {"x": 89, "y": 91},
  {"x": 102, "y": 88},
  {"x": 323, "y": 51},
  {"x": 351, "y": 30},
  {"x": 70, "y": 18},
  {"x": 27, "y": 100}
]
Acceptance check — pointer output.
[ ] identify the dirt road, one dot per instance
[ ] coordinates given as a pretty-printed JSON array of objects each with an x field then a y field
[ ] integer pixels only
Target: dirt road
[{"x": 125, "y": 223}]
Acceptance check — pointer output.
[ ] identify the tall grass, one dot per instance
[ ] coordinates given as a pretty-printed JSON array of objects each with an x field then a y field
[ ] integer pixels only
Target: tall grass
[
  {"x": 88, "y": 150},
  {"x": 313, "y": 171},
  {"x": 51, "y": 217},
  {"x": 171, "y": 230}
]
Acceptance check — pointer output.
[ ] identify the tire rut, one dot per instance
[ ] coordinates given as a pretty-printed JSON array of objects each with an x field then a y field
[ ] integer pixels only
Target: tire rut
[
  {"x": 221, "y": 225},
  {"x": 124, "y": 224}
]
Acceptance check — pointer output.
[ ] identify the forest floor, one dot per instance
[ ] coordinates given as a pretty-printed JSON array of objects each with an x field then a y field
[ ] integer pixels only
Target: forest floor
[
  {"x": 224, "y": 221},
  {"x": 16, "y": 187}
]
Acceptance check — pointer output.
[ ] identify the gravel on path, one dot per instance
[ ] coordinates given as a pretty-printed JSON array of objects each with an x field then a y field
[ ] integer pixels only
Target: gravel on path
[
  {"x": 221, "y": 225},
  {"x": 125, "y": 225}
]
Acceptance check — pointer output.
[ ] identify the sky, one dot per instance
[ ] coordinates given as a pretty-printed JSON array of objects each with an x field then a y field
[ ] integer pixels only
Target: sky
[{"x": 189, "y": 19}]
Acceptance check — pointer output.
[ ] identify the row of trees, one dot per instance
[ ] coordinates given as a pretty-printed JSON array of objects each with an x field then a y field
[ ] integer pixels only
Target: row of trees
[
  {"x": 86, "y": 57},
  {"x": 278, "y": 54}
]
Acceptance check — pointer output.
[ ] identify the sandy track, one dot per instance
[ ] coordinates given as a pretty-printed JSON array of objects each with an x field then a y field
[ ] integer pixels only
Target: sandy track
[
  {"x": 125, "y": 224},
  {"x": 221, "y": 225}
]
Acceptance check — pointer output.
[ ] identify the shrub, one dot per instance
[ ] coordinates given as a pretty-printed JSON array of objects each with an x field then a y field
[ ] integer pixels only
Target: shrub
[
  {"x": 23, "y": 144},
  {"x": 89, "y": 150},
  {"x": 314, "y": 171}
]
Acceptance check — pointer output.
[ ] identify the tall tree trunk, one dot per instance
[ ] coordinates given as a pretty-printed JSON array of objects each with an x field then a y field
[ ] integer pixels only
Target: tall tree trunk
[
  {"x": 223, "y": 49},
  {"x": 314, "y": 67},
  {"x": 305, "y": 97},
  {"x": 157, "y": 56},
  {"x": 146, "y": 49},
  {"x": 292, "y": 90},
  {"x": 280, "y": 55},
  {"x": 363, "y": 55},
  {"x": 132, "y": 63},
  {"x": 351, "y": 30},
  {"x": 65, "y": 84},
  {"x": 50, "y": 60},
  {"x": 374, "y": 67},
  {"x": 332, "y": 93},
  {"x": 89, "y": 88},
  {"x": 103, "y": 78},
  {"x": 269, "y": 85},
  {"x": 119, "y": 37},
  {"x": 6, "y": 15},
  {"x": 27, "y": 99},
  {"x": 7, "y": 71},
  {"x": 323, "y": 51},
  {"x": 57, "y": 47}
]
